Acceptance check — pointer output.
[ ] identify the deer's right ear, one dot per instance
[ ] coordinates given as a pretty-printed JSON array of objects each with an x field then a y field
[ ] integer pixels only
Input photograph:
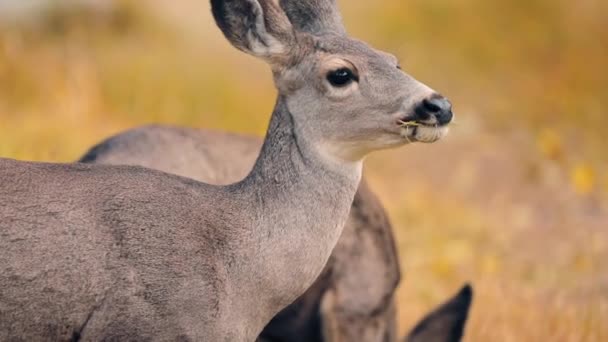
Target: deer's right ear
[{"x": 258, "y": 27}]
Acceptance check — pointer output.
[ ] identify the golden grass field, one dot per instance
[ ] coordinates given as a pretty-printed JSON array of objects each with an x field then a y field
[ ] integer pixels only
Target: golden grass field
[{"x": 515, "y": 200}]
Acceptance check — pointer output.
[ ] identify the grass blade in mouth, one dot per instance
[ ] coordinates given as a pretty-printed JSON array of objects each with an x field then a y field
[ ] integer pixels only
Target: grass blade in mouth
[{"x": 408, "y": 123}]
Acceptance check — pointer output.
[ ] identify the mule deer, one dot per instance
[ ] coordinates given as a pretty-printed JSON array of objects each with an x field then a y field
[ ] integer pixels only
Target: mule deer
[
  {"x": 123, "y": 252},
  {"x": 364, "y": 265}
]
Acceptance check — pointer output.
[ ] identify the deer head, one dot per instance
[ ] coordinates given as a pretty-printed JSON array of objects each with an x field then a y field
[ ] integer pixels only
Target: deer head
[{"x": 344, "y": 96}]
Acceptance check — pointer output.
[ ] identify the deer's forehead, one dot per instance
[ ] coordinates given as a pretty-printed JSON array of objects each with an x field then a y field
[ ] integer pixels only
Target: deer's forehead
[{"x": 355, "y": 50}]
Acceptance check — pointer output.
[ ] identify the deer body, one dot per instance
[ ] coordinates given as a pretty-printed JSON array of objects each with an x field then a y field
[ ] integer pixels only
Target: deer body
[
  {"x": 354, "y": 294},
  {"x": 138, "y": 222},
  {"x": 126, "y": 253}
]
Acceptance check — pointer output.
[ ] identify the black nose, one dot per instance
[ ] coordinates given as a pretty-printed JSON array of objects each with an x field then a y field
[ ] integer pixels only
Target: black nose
[{"x": 435, "y": 106}]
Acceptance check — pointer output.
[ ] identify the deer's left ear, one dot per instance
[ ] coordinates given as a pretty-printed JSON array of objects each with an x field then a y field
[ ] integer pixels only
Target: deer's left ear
[
  {"x": 447, "y": 322},
  {"x": 258, "y": 27}
]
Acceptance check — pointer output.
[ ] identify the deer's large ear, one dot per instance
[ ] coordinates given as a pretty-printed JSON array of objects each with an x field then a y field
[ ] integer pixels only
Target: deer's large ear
[
  {"x": 446, "y": 323},
  {"x": 314, "y": 16},
  {"x": 258, "y": 27}
]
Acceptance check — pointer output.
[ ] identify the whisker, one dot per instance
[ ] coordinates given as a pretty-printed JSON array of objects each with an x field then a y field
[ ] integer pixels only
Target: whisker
[{"x": 407, "y": 134}]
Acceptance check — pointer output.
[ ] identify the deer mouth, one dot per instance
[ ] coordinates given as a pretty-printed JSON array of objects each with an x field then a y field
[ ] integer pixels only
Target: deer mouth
[{"x": 415, "y": 131}]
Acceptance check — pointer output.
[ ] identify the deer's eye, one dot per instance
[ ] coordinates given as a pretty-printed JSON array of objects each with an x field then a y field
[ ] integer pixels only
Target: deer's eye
[{"x": 341, "y": 77}]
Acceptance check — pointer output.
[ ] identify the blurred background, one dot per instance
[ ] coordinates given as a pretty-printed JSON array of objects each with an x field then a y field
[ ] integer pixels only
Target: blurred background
[{"x": 515, "y": 200}]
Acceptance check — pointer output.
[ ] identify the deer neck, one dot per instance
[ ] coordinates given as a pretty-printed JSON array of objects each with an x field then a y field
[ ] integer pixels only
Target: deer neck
[{"x": 300, "y": 200}]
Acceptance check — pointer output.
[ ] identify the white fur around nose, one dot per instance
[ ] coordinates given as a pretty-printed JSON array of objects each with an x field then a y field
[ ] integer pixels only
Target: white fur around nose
[{"x": 430, "y": 134}]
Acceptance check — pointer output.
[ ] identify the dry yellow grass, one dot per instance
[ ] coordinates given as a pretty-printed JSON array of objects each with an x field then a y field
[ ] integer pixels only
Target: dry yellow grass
[{"x": 513, "y": 201}]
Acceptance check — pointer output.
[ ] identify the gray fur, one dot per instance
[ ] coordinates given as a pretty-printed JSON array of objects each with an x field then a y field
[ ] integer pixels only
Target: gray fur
[
  {"x": 97, "y": 252},
  {"x": 363, "y": 269}
]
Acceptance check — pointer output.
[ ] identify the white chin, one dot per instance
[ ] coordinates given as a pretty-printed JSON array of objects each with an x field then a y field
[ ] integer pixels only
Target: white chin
[{"x": 424, "y": 134}]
